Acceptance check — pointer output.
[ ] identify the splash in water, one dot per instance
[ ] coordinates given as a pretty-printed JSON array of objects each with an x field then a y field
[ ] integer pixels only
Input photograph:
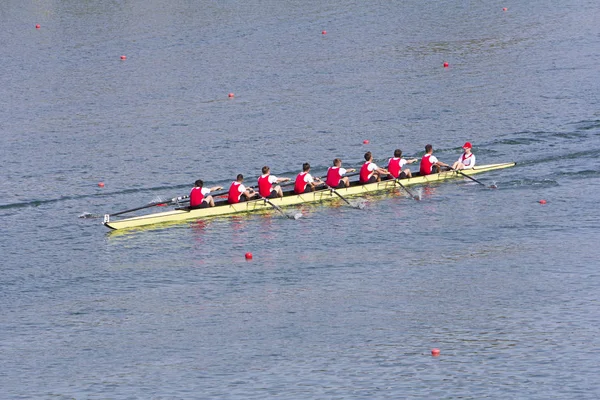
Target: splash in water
[
  {"x": 90, "y": 215},
  {"x": 419, "y": 194}
]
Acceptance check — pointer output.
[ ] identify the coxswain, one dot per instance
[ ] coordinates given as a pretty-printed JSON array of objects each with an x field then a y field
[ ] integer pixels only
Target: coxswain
[
  {"x": 305, "y": 183},
  {"x": 370, "y": 172},
  {"x": 238, "y": 192},
  {"x": 335, "y": 175},
  {"x": 466, "y": 159},
  {"x": 429, "y": 163},
  {"x": 199, "y": 196},
  {"x": 265, "y": 184},
  {"x": 395, "y": 165}
]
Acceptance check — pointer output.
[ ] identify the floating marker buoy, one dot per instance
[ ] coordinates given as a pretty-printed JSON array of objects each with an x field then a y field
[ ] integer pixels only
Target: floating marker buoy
[
  {"x": 435, "y": 352},
  {"x": 323, "y": 32},
  {"x": 38, "y": 26},
  {"x": 248, "y": 256},
  {"x": 542, "y": 201},
  {"x": 123, "y": 57},
  {"x": 446, "y": 65},
  {"x": 100, "y": 184},
  {"x": 366, "y": 141},
  {"x": 231, "y": 95},
  {"x": 505, "y": 9}
]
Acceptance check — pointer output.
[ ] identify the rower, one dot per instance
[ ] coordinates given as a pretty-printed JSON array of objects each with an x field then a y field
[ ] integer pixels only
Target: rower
[
  {"x": 370, "y": 172},
  {"x": 395, "y": 165},
  {"x": 335, "y": 175},
  {"x": 199, "y": 195},
  {"x": 305, "y": 183},
  {"x": 265, "y": 184},
  {"x": 238, "y": 192},
  {"x": 466, "y": 159},
  {"x": 429, "y": 163}
]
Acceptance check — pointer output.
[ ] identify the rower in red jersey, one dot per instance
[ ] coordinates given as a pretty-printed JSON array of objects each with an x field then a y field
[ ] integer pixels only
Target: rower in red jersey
[
  {"x": 335, "y": 175},
  {"x": 370, "y": 172},
  {"x": 395, "y": 165},
  {"x": 199, "y": 195},
  {"x": 305, "y": 183},
  {"x": 466, "y": 159},
  {"x": 238, "y": 192},
  {"x": 429, "y": 163},
  {"x": 265, "y": 184}
]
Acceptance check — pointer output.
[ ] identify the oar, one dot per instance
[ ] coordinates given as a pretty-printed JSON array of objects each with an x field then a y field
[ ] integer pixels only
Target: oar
[
  {"x": 473, "y": 179},
  {"x": 156, "y": 203},
  {"x": 339, "y": 195},
  {"x": 405, "y": 188},
  {"x": 275, "y": 206},
  {"x": 174, "y": 200}
]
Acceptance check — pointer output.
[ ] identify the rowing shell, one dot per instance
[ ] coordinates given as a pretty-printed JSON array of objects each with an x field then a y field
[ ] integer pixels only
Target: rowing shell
[{"x": 222, "y": 208}]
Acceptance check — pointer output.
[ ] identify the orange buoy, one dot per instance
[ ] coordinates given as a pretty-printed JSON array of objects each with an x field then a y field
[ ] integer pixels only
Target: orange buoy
[
  {"x": 248, "y": 256},
  {"x": 446, "y": 65},
  {"x": 100, "y": 184},
  {"x": 435, "y": 352},
  {"x": 542, "y": 201}
]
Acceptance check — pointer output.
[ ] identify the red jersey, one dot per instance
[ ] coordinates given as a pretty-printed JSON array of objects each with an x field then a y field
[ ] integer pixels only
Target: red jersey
[
  {"x": 234, "y": 193},
  {"x": 395, "y": 167},
  {"x": 196, "y": 196},
  {"x": 265, "y": 186},
  {"x": 426, "y": 165},
  {"x": 333, "y": 177},
  {"x": 300, "y": 184},
  {"x": 365, "y": 174}
]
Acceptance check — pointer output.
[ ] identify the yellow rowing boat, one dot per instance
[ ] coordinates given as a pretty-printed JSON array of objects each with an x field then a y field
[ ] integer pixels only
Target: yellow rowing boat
[{"x": 223, "y": 208}]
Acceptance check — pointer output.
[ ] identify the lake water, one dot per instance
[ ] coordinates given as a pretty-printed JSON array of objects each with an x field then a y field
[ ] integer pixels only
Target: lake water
[{"x": 341, "y": 303}]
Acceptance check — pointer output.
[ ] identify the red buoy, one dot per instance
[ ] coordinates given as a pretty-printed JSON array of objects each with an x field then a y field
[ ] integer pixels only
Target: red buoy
[
  {"x": 323, "y": 32},
  {"x": 366, "y": 141},
  {"x": 37, "y": 26},
  {"x": 123, "y": 57},
  {"x": 100, "y": 184},
  {"x": 248, "y": 256},
  {"x": 231, "y": 95},
  {"x": 542, "y": 201},
  {"x": 505, "y": 9},
  {"x": 446, "y": 65},
  {"x": 435, "y": 352}
]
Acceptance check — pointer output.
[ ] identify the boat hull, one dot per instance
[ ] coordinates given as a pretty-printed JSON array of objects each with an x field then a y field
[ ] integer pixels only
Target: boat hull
[{"x": 180, "y": 215}]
